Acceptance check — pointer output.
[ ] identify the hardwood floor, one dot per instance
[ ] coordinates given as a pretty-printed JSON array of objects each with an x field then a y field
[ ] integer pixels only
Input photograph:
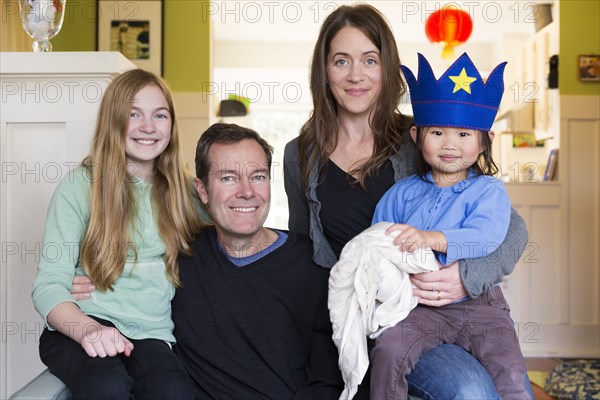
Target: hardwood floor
[{"x": 539, "y": 394}]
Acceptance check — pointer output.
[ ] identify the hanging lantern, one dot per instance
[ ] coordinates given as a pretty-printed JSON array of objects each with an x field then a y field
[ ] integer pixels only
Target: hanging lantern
[{"x": 450, "y": 27}]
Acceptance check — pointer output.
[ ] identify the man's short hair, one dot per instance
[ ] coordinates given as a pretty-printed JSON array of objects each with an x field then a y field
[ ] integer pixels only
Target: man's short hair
[{"x": 222, "y": 133}]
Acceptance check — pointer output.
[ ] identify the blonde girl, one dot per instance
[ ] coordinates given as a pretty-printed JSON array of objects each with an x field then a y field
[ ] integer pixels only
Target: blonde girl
[{"x": 120, "y": 218}]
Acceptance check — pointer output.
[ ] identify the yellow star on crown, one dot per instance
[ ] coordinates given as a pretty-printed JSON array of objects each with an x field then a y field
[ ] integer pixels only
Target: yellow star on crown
[{"x": 462, "y": 81}]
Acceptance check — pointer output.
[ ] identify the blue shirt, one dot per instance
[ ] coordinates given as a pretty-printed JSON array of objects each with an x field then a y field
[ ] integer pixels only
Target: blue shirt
[
  {"x": 473, "y": 214},
  {"x": 243, "y": 261}
]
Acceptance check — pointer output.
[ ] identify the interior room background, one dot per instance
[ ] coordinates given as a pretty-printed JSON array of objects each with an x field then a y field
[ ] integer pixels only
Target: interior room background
[{"x": 261, "y": 51}]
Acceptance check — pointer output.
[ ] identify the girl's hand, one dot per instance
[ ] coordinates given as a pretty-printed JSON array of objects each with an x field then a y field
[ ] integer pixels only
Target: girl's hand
[
  {"x": 95, "y": 339},
  {"x": 439, "y": 288},
  {"x": 82, "y": 288},
  {"x": 409, "y": 239},
  {"x": 103, "y": 341}
]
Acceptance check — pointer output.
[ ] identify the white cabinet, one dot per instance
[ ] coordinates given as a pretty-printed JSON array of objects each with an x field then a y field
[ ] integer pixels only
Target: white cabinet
[
  {"x": 47, "y": 118},
  {"x": 554, "y": 291}
]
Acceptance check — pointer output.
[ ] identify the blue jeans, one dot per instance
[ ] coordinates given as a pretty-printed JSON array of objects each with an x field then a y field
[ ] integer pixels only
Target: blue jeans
[
  {"x": 465, "y": 324},
  {"x": 445, "y": 373},
  {"x": 449, "y": 372}
]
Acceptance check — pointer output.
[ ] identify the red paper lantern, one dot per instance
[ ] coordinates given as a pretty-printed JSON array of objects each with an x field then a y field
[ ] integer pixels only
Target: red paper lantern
[{"x": 450, "y": 27}]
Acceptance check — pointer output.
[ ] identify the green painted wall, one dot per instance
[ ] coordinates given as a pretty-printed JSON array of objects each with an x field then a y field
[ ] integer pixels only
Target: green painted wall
[
  {"x": 186, "y": 63},
  {"x": 78, "y": 32},
  {"x": 579, "y": 34},
  {"x": 186, "y": 56}
]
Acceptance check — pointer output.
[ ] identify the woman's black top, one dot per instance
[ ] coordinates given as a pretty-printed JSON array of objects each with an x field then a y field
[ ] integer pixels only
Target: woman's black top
[{"x": 342, "y": 223}]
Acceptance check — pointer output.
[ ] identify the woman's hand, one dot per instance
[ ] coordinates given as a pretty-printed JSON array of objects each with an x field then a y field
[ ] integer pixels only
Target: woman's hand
[
  {"x": 439, "y": 288},
  {"x": 82, "y": 288}
]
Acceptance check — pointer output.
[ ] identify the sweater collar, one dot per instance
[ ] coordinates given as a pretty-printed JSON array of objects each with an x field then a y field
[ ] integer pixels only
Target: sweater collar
[{"x": 460, "y": 186}]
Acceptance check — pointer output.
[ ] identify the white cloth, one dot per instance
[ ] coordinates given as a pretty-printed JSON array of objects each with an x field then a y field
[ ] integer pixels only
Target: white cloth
[{"x": 370, "y": 291}]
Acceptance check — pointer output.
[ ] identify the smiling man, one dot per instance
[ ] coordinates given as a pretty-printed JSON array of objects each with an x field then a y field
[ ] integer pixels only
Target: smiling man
[
  {"x": 233, "y": 179},
  {"x": 251, "y": 316}
]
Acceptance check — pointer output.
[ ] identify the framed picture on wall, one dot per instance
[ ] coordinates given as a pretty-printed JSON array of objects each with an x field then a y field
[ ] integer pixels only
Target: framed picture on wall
[
  {"x": 589, "y": 68},
  {"x": 133, "y": 28}
]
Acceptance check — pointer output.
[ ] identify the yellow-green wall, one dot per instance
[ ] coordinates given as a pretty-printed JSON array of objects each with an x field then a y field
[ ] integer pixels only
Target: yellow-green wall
[
  {"x": 186, "y": 57},
  {"x": 579, "y": 34},
  {"x": 186, "y": 44},
  {"x": 78, "y": 32}
]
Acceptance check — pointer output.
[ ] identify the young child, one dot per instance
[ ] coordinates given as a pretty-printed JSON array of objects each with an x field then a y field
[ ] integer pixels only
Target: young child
[
  {"x": 456, "y": 207},
  {"x": 121, "y": 218}
]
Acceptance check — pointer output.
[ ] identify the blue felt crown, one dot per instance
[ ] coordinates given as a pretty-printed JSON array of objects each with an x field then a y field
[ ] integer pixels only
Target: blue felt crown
[{"x": 459, "y": 98}]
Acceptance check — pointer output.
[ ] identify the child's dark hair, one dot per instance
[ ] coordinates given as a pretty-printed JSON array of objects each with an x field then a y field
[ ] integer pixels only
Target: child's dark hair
[{"x": 484, "y": 165}]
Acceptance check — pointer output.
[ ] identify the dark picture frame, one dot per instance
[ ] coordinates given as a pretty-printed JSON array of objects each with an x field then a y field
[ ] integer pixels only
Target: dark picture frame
[
  {"x": 134, "y": 28},
  {"x": 589, "y": 68}
]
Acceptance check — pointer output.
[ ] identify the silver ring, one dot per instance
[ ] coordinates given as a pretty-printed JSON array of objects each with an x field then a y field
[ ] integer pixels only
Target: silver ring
[{"x": 439, "y": 295}]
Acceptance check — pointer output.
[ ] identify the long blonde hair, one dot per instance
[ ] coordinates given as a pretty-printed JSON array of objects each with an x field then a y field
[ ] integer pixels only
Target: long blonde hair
[{"x": 107, "y": 244}]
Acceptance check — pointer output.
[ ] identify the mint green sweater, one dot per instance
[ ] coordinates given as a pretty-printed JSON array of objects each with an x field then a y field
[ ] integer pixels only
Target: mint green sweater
[{"x": 140, "y": 305}]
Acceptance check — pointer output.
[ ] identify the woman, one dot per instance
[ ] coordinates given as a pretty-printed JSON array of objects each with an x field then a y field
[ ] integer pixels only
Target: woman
[{"x": 353, "y": 148}]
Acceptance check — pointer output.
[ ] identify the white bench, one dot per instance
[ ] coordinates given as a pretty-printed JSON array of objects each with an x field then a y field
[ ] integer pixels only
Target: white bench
[{"x": 45, "y": 386}]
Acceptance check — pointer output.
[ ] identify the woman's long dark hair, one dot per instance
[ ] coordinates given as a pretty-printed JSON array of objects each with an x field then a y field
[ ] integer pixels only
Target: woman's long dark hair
[{"x": 318, "y": 136}]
